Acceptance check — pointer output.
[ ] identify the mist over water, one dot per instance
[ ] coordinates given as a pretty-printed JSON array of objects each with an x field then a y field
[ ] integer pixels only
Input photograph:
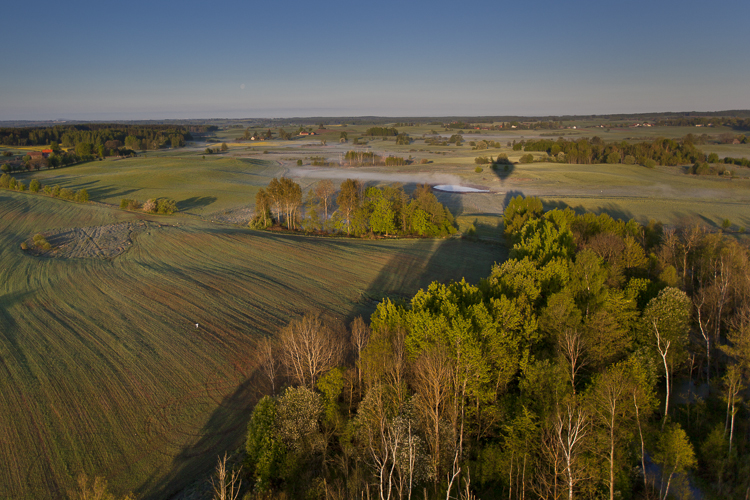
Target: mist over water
[{"x": 348, "y": 173}]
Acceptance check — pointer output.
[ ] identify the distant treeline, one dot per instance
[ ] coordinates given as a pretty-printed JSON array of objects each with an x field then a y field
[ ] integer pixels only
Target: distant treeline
[
  {"x": 381, "y": 131},
  {"x": 595, "y": 150},
  {"x": 133, "y": 136},
  {"x": 352, "y": 209},
  {"x": 704, "y": 121}
]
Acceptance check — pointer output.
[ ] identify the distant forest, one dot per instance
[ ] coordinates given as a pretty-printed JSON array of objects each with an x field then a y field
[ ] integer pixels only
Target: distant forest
[{"x": 132, "y": 136}]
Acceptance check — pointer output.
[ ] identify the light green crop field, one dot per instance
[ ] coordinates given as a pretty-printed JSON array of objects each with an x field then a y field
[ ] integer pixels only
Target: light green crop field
[{"x": 104, "y": 371}]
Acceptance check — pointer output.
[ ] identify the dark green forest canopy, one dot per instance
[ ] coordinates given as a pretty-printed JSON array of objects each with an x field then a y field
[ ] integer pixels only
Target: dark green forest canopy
[
  {"x": 557, "y": 375},
  {"x": 98, "y": 133}
]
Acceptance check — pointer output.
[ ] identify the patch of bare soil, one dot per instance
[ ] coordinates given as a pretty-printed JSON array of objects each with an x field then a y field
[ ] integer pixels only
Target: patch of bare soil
[
  {"x": 238, "y": 215},
  {"x": 99, "y": 242}
]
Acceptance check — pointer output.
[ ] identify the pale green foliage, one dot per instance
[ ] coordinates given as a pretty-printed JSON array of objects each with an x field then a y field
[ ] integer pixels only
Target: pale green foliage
[
  {"x": 674, "y": 454},
  {"x": 298, "y": 412},
  {"x": 331, "y": 384},
  {"x": 545, "y": 239},
  {"x": 520, "y": 210}
]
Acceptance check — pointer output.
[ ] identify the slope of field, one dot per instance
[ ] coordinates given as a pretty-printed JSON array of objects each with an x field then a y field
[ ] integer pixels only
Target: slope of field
[{"x": 103, "y": 368}]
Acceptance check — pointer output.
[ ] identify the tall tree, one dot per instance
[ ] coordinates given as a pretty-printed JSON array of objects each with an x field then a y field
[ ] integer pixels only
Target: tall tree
[
  {"x": 348, "y": 200},
  {"x": 667, "y": 319}
]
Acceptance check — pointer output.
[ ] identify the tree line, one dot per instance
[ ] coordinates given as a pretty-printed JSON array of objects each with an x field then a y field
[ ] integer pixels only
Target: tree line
[
  {"x": 595, "y": 150},
  {"x": 9, "y": 182},
  {"x": 603, "y": 359},
  {"x": 353, "y": 209},
  {"x": 98, "y": 134}
]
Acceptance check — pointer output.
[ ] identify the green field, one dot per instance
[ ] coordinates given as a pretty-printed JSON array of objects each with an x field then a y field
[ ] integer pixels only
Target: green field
[{"x": 104, "y": 370}]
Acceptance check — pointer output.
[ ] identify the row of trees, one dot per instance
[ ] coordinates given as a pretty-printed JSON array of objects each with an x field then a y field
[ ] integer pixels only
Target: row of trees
[
  {"x": 98, "y": 134},
  {"x": 9, "y": 182},
  {"x": 568, "y": 373},
  {"x": 360, "y": 158},
  {"x": 353, "y": 209},
  {"x": 586, "y": 151}
]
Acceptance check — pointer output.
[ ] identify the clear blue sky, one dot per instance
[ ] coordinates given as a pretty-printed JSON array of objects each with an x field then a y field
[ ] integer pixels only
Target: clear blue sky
[{"x": 156, "y": 59}]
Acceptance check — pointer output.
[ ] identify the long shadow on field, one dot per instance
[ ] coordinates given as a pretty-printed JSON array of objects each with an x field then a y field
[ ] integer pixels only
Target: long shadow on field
[
  {"x": 224, "y": 431},
  {"x": 195, "y": 202}
]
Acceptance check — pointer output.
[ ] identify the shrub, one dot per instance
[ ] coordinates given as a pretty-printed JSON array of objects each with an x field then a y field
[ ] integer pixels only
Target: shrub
[
  {"x": 527, "y": 158},
  {"x": 649, "y": 163},
  {"x": 424, "y": 161},
  {"x": 224, "y": 146},
  {"x": 5, "y": 180},
  {"x": 67, "y": 194},
  {"x": 166, "y": 206},
  {"x": 299, "y": 163},
  {"x": 82, "y": 196},
  {"x": 629, "y": 160},
  {"x": 20, "y": 186},
  {"x": 47, "y": 190},
  {"x": 150, "y": 206},
  {"x": 56, "y": 191},
  {"x": 41, "y": 242},
  {"x": 34, "y": 186},
  {"x": 478, "y": 170},
  {"x": 24, "y": 246},
  {"x": 482, "y": 160}
]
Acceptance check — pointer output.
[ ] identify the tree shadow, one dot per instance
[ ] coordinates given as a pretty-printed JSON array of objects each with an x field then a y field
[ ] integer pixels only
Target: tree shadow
[{"x": 195, "y": 202}]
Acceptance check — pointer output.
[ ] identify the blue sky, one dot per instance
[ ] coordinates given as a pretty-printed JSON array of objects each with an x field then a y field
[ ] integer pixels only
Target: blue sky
[{"x": 156, "y": 59}]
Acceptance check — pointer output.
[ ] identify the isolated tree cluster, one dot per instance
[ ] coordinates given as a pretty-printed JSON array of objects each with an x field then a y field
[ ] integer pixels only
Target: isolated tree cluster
[{"x": 353, "y": 209}]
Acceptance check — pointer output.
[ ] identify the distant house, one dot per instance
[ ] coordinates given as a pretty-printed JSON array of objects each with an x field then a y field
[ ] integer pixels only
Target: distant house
[
  {"x": 46, "y": 152},
  {"x": 307, "y": 133},
  {"x": 35, "y": 155}
]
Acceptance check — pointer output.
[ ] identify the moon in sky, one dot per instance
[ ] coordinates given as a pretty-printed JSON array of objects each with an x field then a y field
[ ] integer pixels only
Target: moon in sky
[{"x": 242, "y": 86}]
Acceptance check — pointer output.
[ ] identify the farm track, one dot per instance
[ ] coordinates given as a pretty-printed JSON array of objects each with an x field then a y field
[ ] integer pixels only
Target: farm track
[{"x": 102, "y": 368}]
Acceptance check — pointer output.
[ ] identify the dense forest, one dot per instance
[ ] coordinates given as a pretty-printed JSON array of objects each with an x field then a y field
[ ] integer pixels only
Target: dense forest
[
  {"x": 353, "y": 209},
  {"x": 603, "y": 359},
  {"x": 99, "y": 134}
]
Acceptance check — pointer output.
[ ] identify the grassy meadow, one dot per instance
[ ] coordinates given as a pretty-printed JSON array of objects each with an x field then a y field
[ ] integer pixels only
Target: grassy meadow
[{"x": 104, "y": 369}]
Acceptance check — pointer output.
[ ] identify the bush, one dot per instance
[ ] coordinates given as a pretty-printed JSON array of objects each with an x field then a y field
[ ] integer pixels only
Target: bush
[
  {"x": 128, "y": 204},
  {"x": 67, "y": 194},
  {"x": 166, "y": 206},
  {"x": 24, "y": 246},
  {"x": 649, "y": 163},
  {"x": 41, "y": 242},
  {"x": 82, "y": 196},
  {"x": 56, "y": 191},
  {"x": 527, "y": 158},
  {"x": 20, "y": 186},
  {"x": 629, "y": 160},
  {"x": 299, "y": 163},
  {"x": 482, "y": 160},
  {"x": 478, "y": 170},
  {"x": 34, "y": 186},
  {"x": 150, "y": 206},
  {"x": 5, "y": 181}
]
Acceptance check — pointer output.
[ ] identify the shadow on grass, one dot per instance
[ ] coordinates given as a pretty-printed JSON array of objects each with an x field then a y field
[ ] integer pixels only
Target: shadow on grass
[{"x": 195, "y": 202}]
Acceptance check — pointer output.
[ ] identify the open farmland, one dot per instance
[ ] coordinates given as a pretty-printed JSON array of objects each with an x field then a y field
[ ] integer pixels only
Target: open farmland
[{"x": 103, "y": 368}]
